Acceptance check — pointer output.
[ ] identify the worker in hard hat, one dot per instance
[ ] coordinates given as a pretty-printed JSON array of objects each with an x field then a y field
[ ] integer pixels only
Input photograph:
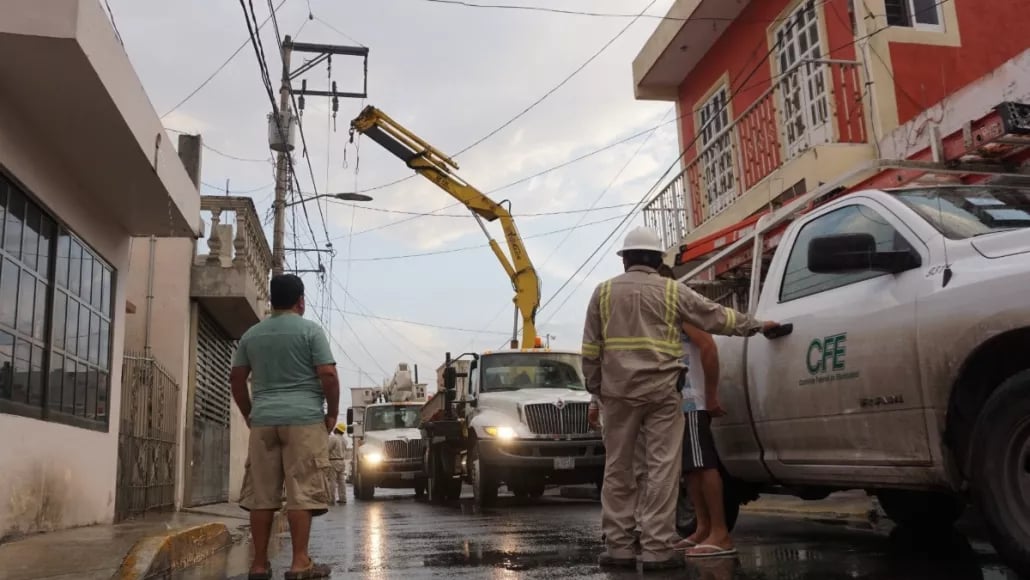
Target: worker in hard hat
[
  {"x": 337, "y": 475},
  {"x": 633, "y": 359}
]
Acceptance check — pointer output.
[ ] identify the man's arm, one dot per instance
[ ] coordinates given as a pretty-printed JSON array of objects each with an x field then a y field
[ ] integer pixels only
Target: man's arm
[
  {"x": 238, "y": 379},
  {"x": 240, "y": 393},
  {"x": 325, "y": 368},
  {"x": 593, "y": 344},
  {"x": 709, "y": 365},
  {"x": 712, "y": 317}
]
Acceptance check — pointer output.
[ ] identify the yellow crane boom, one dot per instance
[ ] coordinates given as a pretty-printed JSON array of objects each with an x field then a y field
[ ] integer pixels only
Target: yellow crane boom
[{"x": 438, "y": 168}]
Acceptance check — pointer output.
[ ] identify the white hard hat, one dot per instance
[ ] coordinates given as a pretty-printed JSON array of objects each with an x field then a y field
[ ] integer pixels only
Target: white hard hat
[{"x": 644, "y": 239}]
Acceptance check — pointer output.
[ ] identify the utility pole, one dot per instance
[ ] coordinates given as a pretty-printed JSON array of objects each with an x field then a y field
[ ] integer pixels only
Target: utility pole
[
  {"x": 281, "y": 139},
  {"x": 282, "y": 164}
]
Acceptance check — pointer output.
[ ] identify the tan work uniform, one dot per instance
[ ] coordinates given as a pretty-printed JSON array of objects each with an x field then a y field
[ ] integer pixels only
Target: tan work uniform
[
  {"x": 632, "y": 358},
  {"x": 337, "y": 483},
  {"x": 639, "y": 463}
]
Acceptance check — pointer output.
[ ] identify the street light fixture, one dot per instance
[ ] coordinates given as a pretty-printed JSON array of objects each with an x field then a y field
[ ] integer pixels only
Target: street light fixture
[{"x": 349, "y": 196}]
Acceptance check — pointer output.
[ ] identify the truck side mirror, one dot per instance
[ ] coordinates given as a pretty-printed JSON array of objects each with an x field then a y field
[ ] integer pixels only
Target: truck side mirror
[
  {"x": 847, "y": 253},
  {"x": 350, "y": 419}
]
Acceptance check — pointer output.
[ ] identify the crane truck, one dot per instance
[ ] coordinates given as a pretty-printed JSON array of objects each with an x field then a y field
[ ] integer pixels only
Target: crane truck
[
  {"x": 520, "y": 417},
  {"x": 387, "y": 442}
]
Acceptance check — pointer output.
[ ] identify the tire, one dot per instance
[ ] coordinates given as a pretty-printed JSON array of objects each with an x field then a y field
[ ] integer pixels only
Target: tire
[
  {"x": 1000, "y": 470},
  {"x": 484, "y": 486},
  {"x": 686, "y": 518},
  {"x": 928, "y": 512},
  {"x": 364, "y": 490},
  {"x": 420, "y": 488}
]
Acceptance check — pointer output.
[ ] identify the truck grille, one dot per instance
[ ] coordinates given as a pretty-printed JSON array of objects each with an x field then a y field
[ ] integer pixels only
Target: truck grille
[
  {"x": 548, "y": 419},
  {"x": 400, "y": 449}
]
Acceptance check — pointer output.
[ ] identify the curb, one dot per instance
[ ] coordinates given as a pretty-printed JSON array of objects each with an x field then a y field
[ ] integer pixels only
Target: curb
[
  {"x": 813, "y": 513},
  {"x": 156, "y": 556}
]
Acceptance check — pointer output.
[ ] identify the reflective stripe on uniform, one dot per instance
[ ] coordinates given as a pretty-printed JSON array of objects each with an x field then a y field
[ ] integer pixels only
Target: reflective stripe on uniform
[
  {"x": 605, "y": 307},
  {"x": 671, "y": 304},
  {"x": 671, "y": 347},
  {"x": 731, "y": 320},
  {"x": 591, "y": 349}
]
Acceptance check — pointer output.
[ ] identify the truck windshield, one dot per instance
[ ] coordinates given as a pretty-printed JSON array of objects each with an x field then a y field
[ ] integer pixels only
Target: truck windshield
[
  {"x": 509, "y": 372},
  {"x": 965, "y": 212},
  {"x": 383, "y": 418}
]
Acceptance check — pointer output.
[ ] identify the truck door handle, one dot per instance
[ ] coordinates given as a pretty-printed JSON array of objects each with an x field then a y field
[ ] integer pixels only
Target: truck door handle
[{"x": 780, "y": 331}]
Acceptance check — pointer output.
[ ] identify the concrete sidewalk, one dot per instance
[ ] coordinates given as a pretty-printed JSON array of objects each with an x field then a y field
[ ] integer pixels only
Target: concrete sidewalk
[{"x": 97, "y": 552}]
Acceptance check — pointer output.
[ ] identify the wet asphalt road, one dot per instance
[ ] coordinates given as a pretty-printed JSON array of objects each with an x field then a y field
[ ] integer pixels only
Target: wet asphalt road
[{"x": 394, "y": 536}]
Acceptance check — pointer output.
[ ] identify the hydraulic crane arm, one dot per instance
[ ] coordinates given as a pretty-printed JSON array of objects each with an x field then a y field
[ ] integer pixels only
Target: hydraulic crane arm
[{"x": 437, "y": 167}]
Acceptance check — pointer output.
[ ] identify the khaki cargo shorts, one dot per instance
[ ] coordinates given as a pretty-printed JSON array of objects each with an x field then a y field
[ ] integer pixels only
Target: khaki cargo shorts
[{"x": 296, "y": 456}]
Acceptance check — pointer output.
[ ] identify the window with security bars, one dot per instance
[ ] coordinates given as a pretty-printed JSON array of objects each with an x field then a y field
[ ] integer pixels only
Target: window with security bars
[
  {"x": 720, "y": 184},
  {"x": 913, "y": 13},
  {"x": 55, "y": 318},
  {"x": 803, "y": 90}
]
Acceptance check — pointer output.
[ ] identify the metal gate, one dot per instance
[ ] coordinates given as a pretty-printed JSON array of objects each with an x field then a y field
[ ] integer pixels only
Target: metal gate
[
  {"x": 212, "y": 399},
  {"x": 147, "y": 435}
]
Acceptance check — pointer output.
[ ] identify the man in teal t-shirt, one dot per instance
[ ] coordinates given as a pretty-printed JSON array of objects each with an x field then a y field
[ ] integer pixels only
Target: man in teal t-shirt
[{"x": 293, "y": 373}]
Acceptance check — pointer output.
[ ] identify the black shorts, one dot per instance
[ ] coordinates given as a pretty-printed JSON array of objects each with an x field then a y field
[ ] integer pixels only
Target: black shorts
[{"x": 698, "y": 446}]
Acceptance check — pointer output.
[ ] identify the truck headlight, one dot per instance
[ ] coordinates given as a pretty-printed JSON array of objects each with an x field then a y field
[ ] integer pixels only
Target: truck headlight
[
  {"x": 373, "y": 458},
  {"x": 503, "y": 433}
]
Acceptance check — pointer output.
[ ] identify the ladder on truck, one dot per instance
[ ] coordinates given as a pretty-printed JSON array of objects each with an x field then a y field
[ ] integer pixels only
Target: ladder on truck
[{"x": 996, "y": 146}]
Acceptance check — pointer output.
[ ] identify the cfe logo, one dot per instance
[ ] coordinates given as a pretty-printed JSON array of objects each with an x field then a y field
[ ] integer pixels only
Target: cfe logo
[{"x": 826, "y": 354}]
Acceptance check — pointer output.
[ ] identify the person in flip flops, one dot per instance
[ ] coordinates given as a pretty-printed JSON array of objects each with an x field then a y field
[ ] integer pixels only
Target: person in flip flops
[
  {"x": 295, "y": 405},
  {"x": 700, "y": 458}
]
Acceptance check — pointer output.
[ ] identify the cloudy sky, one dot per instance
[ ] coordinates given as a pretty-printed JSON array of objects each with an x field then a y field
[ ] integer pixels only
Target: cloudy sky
[{"x": 452, "y": 74}]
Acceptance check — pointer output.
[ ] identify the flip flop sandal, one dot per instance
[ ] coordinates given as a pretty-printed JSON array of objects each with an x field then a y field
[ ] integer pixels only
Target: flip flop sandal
[
  {"x": 684, "y": 544},
  {"x": 266, "y": 575},
  {"x": 718, "y": 551},
  {"x": 315, "y": 572}
]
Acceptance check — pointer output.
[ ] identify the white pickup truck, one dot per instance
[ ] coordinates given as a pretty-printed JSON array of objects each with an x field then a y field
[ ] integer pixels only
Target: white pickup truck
[{"x": 904, "y": 365}]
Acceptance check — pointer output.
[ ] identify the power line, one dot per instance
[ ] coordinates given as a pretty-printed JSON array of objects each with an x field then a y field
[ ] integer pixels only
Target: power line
[
  {"x": 221, "y": 188},
  {"x": 425, "y": 324},
  {"x": 519, "y": 7},
  {"x": 114, "y": 24},
  {"x": 467, "y": 248},
  {"x": 222, "y": 66},
  {"x": 338, "y": 31},
  {"x": 535, "y": 103},
  {"x": 563, "y": 82},
  {"x": 469, "y": 216},
  {"x": 218, "y": 152}
]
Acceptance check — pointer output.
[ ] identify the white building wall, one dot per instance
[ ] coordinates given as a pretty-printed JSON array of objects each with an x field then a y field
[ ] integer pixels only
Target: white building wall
[{"x": 53, "y": 475}]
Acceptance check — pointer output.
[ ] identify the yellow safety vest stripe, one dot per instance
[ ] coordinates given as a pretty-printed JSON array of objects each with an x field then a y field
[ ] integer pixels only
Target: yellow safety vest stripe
[
  {"x": 606, "y": 307},
  {"x": 673, "y": 347},
  {"x": 731, "y": 320},
  {"x": 591, "y": 349}
]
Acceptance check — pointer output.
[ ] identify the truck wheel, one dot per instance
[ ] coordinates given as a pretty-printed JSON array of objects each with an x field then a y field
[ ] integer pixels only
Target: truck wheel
[
  {"x": 484, "y": 487},
  {"x": 928, "y": 511},
  {"x": 363, "y": 488},
  {"x": 686, "y": 518},
  {"x": 1001, "y": 470}
]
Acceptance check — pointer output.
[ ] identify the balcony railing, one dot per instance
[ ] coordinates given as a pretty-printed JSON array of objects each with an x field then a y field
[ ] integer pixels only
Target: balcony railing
[
  {"x": 231, "y": 280},
  {"x": 813, "y": 103}
]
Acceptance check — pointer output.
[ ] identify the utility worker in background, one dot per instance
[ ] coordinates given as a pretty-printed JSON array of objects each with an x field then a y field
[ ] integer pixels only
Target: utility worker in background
[
  {"x": 632, "y": 359},
  {"x": 337, "y": 483}
]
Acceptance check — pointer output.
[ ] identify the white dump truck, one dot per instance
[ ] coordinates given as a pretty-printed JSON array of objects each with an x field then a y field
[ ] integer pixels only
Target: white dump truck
[
  {"x": 388, "y": 446},
  {"x": 516, "y": 418}
]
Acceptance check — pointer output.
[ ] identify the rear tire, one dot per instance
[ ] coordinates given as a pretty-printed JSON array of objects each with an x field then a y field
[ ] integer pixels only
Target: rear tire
[
  {"x": 925, "y": 511},
  {"x": 1000, "y": 470}
]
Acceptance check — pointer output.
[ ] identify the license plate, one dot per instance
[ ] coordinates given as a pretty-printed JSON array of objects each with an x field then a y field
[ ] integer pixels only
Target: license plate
[
  {"x": 408, "y": 475},
  {"x": 564, "y": 463}
]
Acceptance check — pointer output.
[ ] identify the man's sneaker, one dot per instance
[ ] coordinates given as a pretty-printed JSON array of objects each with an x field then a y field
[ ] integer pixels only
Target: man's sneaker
[
  {"x": 673, "y": 563},
  {"x": 606, "y": 560}
]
